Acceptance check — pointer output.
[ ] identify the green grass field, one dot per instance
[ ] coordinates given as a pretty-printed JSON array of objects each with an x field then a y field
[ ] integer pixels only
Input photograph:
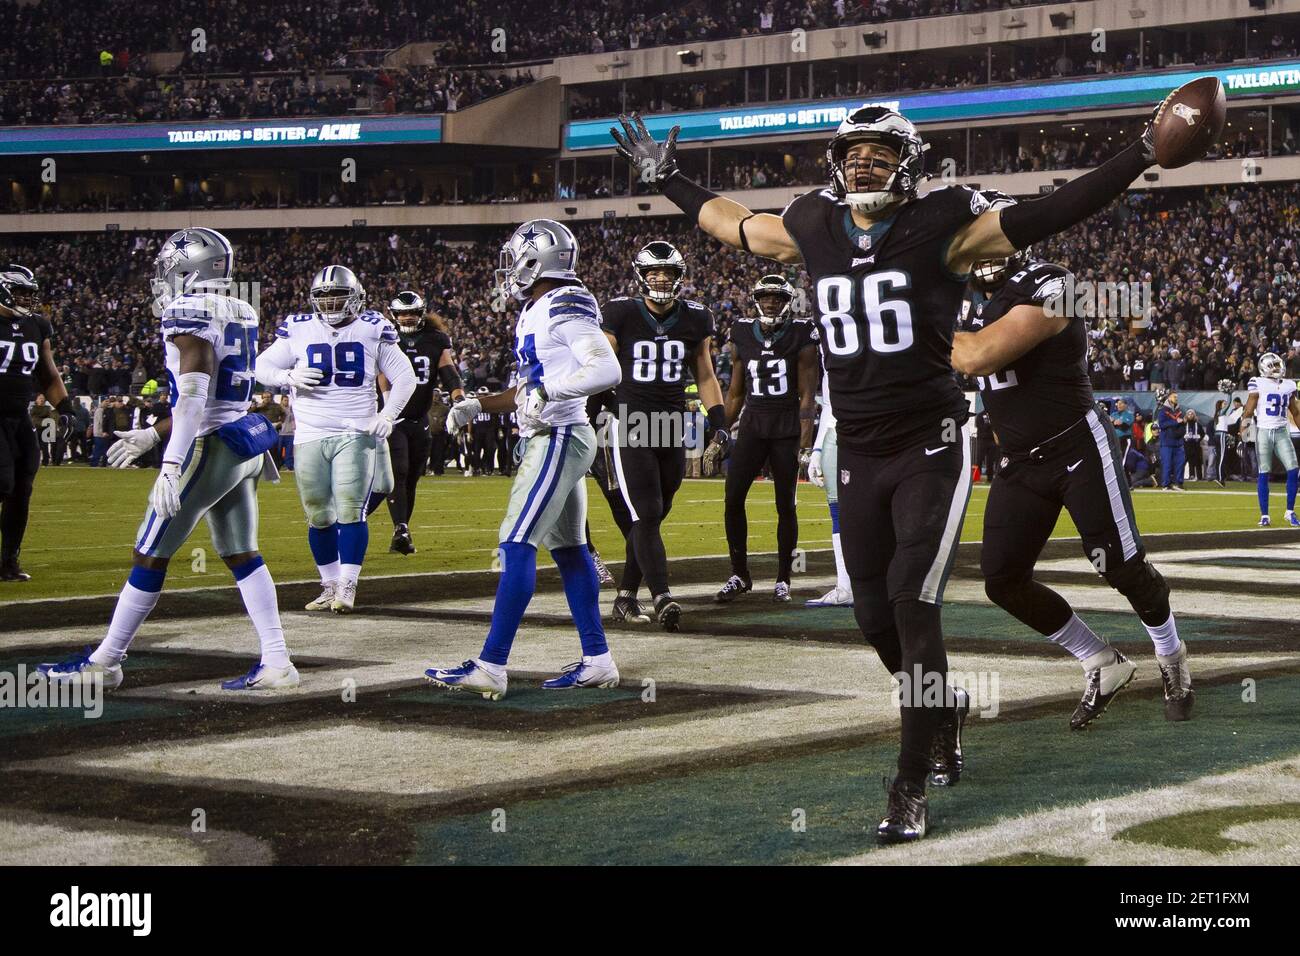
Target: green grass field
[{"x": 83, "y": 523}]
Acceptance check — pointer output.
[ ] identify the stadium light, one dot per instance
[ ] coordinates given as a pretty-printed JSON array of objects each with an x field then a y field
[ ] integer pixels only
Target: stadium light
[
  {"x": 875, "y": 38},
  {"x": 1061, "y": 20},
  {"x": 643, "y": 206},
  {"x": 570, "y": 210}
]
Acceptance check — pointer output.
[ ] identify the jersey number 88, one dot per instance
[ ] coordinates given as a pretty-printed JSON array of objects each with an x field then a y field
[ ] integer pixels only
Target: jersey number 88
[{"x": 645, "y": 358}]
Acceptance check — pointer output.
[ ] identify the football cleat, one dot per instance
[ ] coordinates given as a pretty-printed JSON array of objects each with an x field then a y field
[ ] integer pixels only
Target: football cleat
[
  {"x": 1291, "y": 519},
  {"x": 781, "y": 593},
  {"x": 735, "y": 586},
  {"x": 584, "y": 673},
  {"x": 628, "y": 610},
  {"x": 345, "y": 596},
  {"x": 602, "y": 571},
  {"x": 261, "y": 677},
  {"x": 835, "y": 597},
  {"x": 469, "y": 676},
  {"x": 11, "y": 571},
  {"x": 80, "y": 669},
  {"x": 668, "y": 612},
  {"x": 906, "y": 816},
  {"x": 946, "y": 753},
  {"x": 1177, "y": 679},
  {"x": 1263, "y": 521},
  {"x": 1103, "y": 683},
  {"x": 402, "y": 543},
  {"x": 326, "y": 598}
]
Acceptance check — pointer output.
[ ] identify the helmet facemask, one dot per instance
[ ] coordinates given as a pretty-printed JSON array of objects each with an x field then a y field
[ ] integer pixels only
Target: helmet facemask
[
  {"x": 773, "y": 308},
  {"x": 659, "y": 283},
  {"x": 407, "y": 311},
  {"x": 336, "y": 304}
]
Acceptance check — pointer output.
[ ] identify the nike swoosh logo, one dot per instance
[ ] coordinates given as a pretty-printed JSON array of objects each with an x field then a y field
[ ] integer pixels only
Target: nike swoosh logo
[
  {"x": 935, "y": 451},
  {"x": 1074, "y": 466}
]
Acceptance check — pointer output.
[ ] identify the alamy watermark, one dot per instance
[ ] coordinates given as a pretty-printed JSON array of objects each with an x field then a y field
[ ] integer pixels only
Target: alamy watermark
[{"x": 32, "y": 689}]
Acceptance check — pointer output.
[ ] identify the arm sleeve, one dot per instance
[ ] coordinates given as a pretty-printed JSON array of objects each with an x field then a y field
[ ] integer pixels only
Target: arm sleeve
[
  {"x": 271, "y": 364},
  {"x": 187, "y": 415},
  {"x": 400, "y": 373},
  {"x": 600, "y": 369}
]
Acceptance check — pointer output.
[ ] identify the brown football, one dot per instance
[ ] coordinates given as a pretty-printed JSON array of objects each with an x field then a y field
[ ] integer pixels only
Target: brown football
[{"x": 1189, "y": 122}]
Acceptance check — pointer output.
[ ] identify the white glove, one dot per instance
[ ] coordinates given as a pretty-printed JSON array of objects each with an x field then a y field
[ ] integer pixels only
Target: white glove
[
  {"x": 166, "y": 495},
  {"x": 133, "y": 444},
  {"x": 815, "y": 469},
  {"x": 462, "y": 413},
  {"x": 301, "y": 378},
  {"x": 380, "y": 425},
  {"x": 529, "y": 402}
]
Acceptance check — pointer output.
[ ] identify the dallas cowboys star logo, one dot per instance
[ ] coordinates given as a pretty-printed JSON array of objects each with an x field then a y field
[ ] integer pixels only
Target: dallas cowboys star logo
[{"x": 531, "y": 234}]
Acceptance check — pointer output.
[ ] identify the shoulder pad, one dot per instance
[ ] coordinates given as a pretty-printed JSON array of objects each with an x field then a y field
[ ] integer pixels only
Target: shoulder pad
[{"x": 1253, "y": 385}]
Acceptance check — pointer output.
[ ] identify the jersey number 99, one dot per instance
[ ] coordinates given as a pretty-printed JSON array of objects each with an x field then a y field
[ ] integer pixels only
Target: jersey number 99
[{"x": 344, "y": 365}]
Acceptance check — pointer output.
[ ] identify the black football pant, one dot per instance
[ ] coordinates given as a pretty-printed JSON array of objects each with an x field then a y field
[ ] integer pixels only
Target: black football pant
[
  {"x": 408, "y": 446},
  {"x": 437, "y": 450},
  {"x": 1081, "y": 471},
  {"x": 484, "y": 451},
  {"x": 648, "y": 477},
  {"x": 20, "y": 457},
  {"x": 900, "y": 523},
  {"x": 751, "y": 451}
]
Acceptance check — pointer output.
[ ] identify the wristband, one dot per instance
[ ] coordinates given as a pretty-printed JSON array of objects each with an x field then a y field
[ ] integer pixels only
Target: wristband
[{"x": 717, "y": 417}]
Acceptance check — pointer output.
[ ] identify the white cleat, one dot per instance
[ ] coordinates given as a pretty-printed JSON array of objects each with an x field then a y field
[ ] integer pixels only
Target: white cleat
[
  {"x": 470, "y": 676},
  {"x": 79, "y": 669},
  {"x": 1263, "y": 521},
  {"x": 835, "y": 597},
  {"x": 1103, "y": 680},
  {"x": 345, "y": 595},
  {"x": 584, "y": 674},
  {"x": 262, "y": 677},
  {"x": 326, "y": 598}
]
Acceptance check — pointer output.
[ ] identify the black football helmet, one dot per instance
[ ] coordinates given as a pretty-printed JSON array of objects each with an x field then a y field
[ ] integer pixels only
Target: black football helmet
[
  {"x": 407, "y": 311},
  {"x": 989, "y": 275},
  {"x": 774, "y": 297},
  {"x": 659, "y": 255},
  {"x": 19, "y": 291}
]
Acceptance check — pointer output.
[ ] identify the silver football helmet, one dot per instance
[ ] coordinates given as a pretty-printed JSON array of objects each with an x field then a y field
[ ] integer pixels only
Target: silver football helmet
[
  {"x": 774, "y": 296},
  {"x": 336, "y": 295},
  {"x": 1272, "y": 366},
  {"x": 407, "y": 311},
  {"x": 659, "y": 255},
  {"x": 191, "y": 259},
  {"x": 876, "y": 124},
  {"x": 19, "y": 291},
  {"x": 539, "y": 249}
]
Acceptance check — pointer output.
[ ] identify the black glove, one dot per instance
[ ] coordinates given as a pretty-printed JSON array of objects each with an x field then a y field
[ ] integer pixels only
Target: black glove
[{"x": 653, "y": 162}]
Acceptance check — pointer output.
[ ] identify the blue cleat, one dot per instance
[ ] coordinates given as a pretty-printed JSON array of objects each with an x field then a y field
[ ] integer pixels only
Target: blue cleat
[
  {"x": 261, "y": 677},
  {"x": 469, "y": 676},
  {"x": 584, "y": 673},
  {"x": 80, "y": 669}
]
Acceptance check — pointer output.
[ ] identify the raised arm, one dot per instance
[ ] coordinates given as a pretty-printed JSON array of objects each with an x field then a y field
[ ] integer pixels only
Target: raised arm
[{"x": 996, "y": 346}]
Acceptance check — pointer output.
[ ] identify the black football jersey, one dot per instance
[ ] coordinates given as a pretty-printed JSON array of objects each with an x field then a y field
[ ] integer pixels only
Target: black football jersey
[
  {"x": 886, "y": 305},
  {"x": 654, "y": 351},
  {"x": 20, "y": 351},
  {"x": 771, "y": 365},
  {"x": 1047, "y": 389},
  {"x": 424, "y": 348}
]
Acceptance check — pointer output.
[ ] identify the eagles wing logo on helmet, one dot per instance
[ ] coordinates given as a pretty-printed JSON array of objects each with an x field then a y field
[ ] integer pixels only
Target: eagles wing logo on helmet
[
  {"x": 886, "y": 127},
  {"x": 18, "y": 291},
  {"x": 408, "y": 311},
  {"x": 539, "y": 249},
  {"x": 659, "y": 255},
  {"x": 774, "y": 296}
]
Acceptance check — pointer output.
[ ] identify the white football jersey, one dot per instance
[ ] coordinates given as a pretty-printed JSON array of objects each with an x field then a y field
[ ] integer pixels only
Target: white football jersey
[
  {"x": 230, "y": 325},
  {"x": 349, "y": 358},
  {"x": 1274, "y": 397},
  {"x": 542, "y": 351}
]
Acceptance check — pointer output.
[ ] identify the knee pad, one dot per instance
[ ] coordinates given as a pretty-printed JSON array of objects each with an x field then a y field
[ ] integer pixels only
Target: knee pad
[
  {"x": 321, "y": 514},
  {"x": 1143, "y": 585}
]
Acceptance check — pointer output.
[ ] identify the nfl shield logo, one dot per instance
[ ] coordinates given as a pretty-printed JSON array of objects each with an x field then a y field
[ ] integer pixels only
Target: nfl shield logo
[
  {"x": 1004, "y": 462},
  {"x": 844, "y": 476}
]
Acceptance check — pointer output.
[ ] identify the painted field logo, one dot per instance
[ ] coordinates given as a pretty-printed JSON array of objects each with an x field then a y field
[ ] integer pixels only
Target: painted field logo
[
  {"x": 34, "y": 690},
  {"x": 75, "y": 909},
  {"x": 927, "y": 689}
]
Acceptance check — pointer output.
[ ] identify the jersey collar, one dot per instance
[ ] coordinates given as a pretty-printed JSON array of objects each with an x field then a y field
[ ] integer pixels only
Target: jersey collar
[{"x": 661, "y": 327}]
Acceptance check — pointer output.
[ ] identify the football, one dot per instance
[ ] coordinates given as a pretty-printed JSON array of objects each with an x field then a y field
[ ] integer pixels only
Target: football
[{"x": 1189, "y": 122}]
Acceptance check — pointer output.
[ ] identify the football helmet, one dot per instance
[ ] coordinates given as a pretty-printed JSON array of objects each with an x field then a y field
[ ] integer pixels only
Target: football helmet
[
  {"x": 408, "y": 311},
  {"x": 989, "y": 275},
  {"x": 336, "y": 295},
  {"x": 18, "y": 291},
  {"x": 876, "y": 124},
  {"x": 539, "y": 249},
  {"x": 190, "y": 259},
  {"x": 659, "y": 255},
  {"x": 774, "y": 296},
  {"x": 1272, "y": 366}
]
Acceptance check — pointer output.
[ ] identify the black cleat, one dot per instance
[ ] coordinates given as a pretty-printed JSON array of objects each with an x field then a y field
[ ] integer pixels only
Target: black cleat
[
  {"x": 945, "y": 753},
  {"x": 735, "y": 586},
  {"x": 668, "y": 612},
  {"x": 402, "y": 543},
  {"x": 10, "y": 571},
  {"x": 1177, "y": 679},
  {"x": 1104, "y": 683},
  {"x": 628, "y": 610},
  {"x": 907, "y": 816}
]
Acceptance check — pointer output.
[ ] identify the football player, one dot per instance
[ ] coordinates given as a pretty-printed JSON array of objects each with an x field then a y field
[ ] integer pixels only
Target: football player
[
  {"x": 563, "y": 359},
  {"x": 215, "y": 451},
  {"x": 661, "y": 340},
  {"x": 821, "y": 472},
  {"x": 888, "y": 269},
  {"x": 26, "y": 365},
  {"x": 1272, "y": 399},
  {"x": 330, "y": 358},
  {"x": 426, "y": 342},
  {"x": 1029, "y": 360},
  {"x": 773, "y": 395}
]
